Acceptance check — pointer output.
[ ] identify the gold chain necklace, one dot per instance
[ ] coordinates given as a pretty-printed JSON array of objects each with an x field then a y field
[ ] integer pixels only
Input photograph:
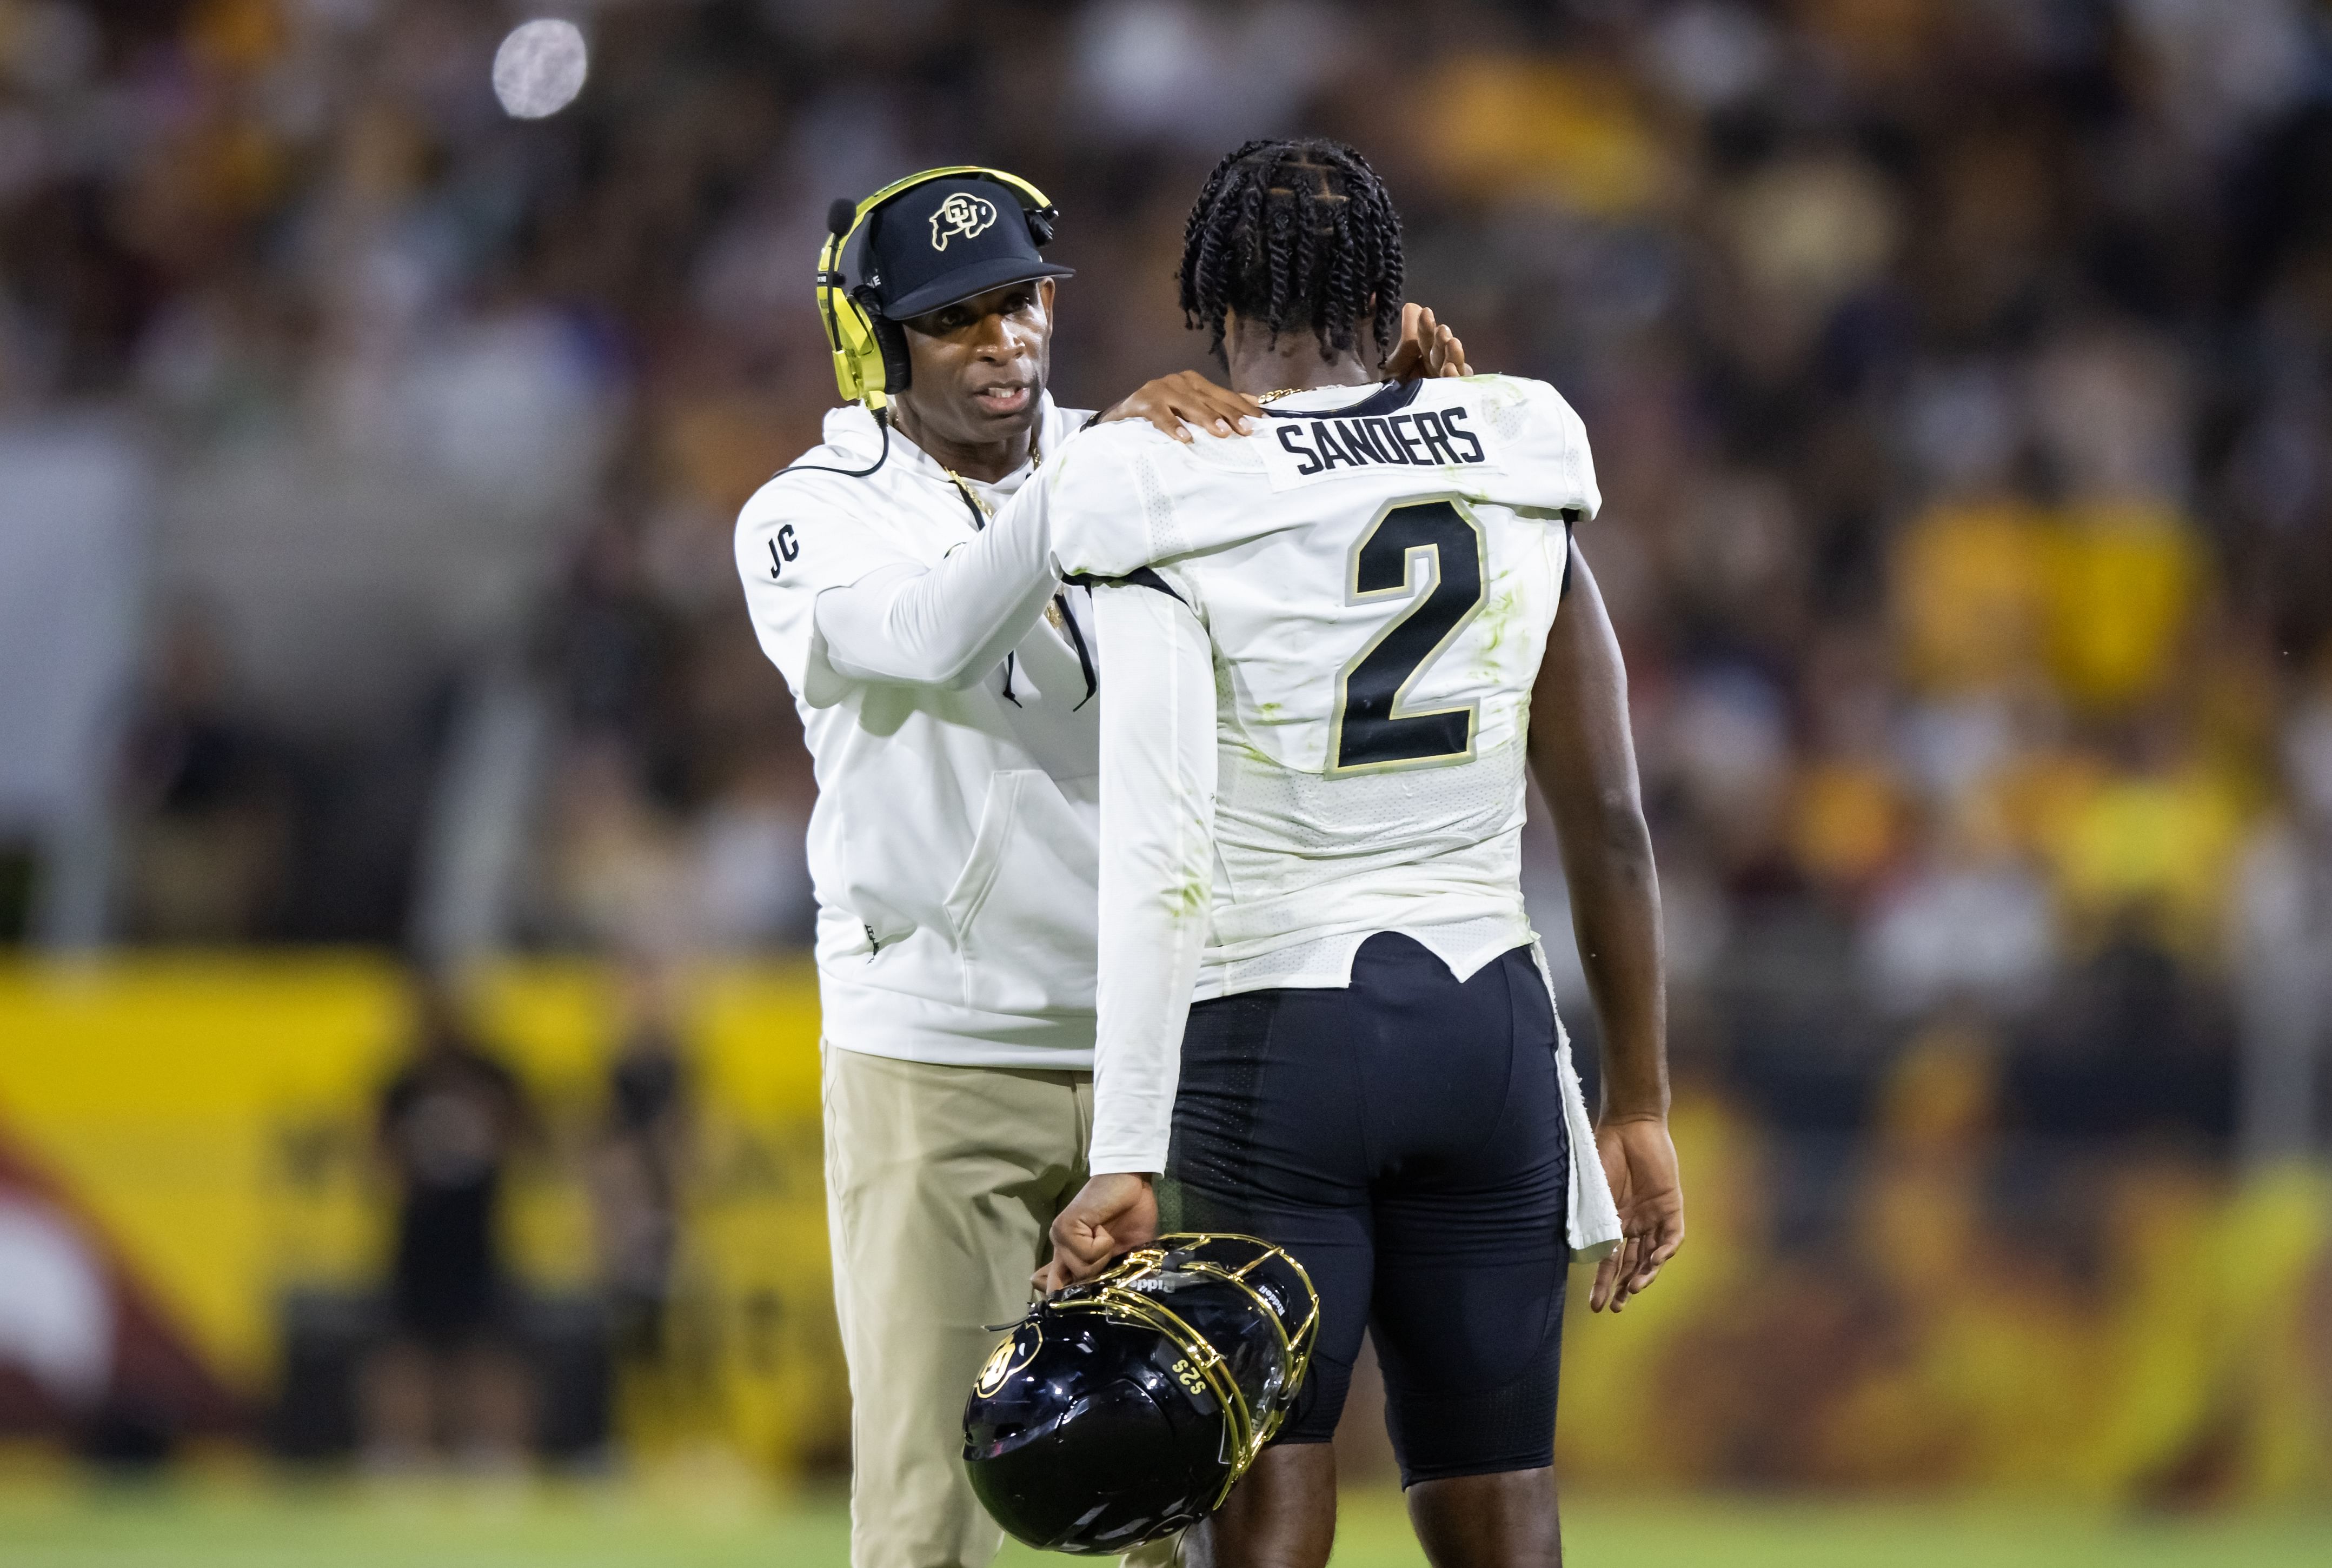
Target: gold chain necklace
[
  {"x": 1053, "y": 613},
  {"x": 1283, "y": 392},
  {"x": 978, "y": 501}
]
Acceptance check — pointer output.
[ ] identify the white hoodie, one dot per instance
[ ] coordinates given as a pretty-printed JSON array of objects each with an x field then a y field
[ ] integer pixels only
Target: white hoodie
[{"x": 953, "y": 845}]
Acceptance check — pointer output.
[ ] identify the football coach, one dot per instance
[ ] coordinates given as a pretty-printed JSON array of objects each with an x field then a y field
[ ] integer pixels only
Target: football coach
[{"x": 953, "y": 842}]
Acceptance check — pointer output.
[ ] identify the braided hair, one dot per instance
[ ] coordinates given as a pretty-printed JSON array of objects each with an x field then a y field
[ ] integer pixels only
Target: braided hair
[{"x": 1295, "y": 235}]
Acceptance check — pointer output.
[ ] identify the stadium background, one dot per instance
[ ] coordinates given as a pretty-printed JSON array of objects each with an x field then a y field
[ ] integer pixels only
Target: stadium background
[{"x": 1957, "y": 370}]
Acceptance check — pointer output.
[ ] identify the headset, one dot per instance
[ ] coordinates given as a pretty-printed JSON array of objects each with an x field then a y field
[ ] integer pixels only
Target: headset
[{"x": 870, "y": 351}]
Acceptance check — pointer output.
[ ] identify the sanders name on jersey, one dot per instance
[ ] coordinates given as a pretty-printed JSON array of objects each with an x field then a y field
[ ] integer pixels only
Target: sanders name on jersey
[{"x": 1425, "y": 438}]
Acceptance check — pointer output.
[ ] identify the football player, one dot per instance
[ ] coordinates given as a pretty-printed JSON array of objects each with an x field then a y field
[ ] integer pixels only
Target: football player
[{"x": 1335, "y": 646}]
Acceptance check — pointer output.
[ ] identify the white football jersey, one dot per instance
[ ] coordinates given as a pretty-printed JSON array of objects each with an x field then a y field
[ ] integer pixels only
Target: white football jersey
[{"x": 1377, "y": 570}]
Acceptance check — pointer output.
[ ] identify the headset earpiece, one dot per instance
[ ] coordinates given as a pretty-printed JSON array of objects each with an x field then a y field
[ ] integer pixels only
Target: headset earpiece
[
  {"x": 892, "y": 339},
  {"x": 1040, "y": 223}
]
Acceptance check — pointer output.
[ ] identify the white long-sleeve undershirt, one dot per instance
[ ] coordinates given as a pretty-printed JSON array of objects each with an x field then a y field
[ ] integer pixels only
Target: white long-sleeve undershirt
[
  {"x": 1157, "y": 765},
  {"x": 948, "y": 623}
]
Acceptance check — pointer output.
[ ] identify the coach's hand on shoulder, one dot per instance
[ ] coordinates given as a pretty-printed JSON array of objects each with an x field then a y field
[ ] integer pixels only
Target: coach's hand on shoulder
[
  {"x": 1111, "y": 1214},
  {"x": 1185, "y": 400},
  {"x": 1426, "y": 350},
  {"x": 1640, "y": 1160}
]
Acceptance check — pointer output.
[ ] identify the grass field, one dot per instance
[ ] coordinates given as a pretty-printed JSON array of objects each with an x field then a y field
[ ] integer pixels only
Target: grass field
[{"x": 251, "y": 1525}]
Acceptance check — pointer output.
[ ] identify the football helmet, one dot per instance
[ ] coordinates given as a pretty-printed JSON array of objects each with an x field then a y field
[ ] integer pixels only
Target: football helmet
[{"x": 1126, "y": 1407}]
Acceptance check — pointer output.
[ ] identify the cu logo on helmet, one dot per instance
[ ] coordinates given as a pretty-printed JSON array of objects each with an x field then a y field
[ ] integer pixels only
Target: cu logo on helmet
[{"x": 960, "y": 215}]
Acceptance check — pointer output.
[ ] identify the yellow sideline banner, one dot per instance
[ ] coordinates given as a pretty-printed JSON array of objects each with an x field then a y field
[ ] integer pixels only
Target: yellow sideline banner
[{"x": 213, "y": 1115}]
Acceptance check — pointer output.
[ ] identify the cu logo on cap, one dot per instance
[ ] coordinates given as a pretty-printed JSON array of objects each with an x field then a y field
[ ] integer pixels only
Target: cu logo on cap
[{"x": 960, "y": 215}]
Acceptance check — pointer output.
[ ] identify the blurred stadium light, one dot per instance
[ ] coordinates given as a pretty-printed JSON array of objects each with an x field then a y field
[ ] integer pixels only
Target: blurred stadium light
[{"x": 539, "y": 68}]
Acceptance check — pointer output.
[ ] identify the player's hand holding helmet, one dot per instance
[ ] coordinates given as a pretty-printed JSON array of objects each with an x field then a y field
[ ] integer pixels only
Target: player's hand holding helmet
[{"x": 1126, "y": 1407}]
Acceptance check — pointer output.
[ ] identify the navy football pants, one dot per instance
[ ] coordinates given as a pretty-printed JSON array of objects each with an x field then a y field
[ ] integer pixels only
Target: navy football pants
[{"x": 1403, "y": 1138}]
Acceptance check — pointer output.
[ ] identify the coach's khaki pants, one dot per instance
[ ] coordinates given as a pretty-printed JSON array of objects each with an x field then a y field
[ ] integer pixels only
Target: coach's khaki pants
[{"x": 941, "y": 1185}]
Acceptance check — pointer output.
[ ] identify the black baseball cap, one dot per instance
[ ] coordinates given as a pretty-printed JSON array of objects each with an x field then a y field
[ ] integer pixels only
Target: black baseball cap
[{"x": 935, "y": 243}]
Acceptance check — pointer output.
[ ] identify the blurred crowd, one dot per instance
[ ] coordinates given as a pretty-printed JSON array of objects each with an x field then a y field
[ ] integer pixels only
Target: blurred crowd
[{"x": 1955, "y": 369}]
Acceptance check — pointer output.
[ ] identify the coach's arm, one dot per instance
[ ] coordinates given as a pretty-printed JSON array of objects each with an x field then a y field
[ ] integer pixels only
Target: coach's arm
[
  {"x": 1585, "y": 759},
  {"x": 948, "y": 625}
]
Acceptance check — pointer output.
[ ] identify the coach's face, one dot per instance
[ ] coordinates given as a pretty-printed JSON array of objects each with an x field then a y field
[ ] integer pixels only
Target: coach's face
[{"x": 979, "y": 364}]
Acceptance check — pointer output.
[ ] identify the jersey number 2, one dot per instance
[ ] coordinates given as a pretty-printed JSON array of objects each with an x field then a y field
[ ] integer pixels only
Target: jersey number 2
[{"x": 1372, "y": 730}]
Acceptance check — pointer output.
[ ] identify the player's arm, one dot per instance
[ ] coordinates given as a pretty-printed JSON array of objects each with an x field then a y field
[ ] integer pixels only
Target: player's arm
[
  {"x": 1585, "y": 759},
  {"x": 1157, "y": 880}
]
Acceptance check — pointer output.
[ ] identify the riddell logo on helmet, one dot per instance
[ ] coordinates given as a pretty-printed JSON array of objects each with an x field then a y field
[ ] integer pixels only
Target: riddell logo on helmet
[{"x": 960, "y": 215}]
